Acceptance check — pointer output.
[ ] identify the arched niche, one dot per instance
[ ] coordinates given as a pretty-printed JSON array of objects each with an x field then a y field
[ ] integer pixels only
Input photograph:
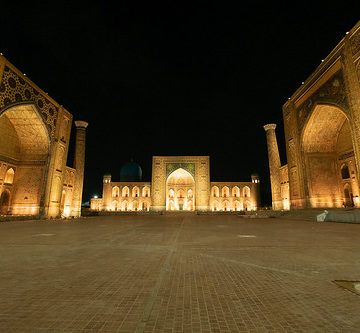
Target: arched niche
[
  {"x": 180, "y": 182},
  {"x": 326, "y": 145},
  {"x": 25, "y": 144},
  {"x": 4, "y": 202}
]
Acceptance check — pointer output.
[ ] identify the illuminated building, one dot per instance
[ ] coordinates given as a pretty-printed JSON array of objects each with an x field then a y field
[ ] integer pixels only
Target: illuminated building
[
  {"x": 179, "y": 183},
  {"x": 34, "y": 142},
  {"x": 321, "y": 121}
]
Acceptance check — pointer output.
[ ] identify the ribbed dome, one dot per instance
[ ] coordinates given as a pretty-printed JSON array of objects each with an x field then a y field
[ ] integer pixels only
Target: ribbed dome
[{"x": 130, "y": 172}]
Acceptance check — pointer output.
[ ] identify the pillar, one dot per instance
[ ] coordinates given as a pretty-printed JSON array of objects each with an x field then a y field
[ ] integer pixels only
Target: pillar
[
  {"x": 79, "y": 164},
  {"x": 274, "y": 166}
]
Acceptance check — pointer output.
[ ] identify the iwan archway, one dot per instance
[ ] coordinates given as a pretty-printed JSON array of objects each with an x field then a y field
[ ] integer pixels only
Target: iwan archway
[
  {"x": 330, "y": 169},
  {"x": 321, "y": 125},
  {"x": 180, "y": 191},
  {"x": 34, "y": 141},
  {"x": 189, "y": 177},
  {"x": 24, "y": 152}
]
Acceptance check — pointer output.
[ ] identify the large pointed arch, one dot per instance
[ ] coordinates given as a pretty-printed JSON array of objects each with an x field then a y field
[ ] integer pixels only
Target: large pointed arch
[
  {"x": 30, "y": 130},
  {"x": 25, "y": 146},
  {"x": 180, "y": 181},
  {"x": 326, "y": 143}
]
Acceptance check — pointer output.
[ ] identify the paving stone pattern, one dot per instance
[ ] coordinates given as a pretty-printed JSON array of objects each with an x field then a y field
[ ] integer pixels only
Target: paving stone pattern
[{"x": 178, "y": 273}]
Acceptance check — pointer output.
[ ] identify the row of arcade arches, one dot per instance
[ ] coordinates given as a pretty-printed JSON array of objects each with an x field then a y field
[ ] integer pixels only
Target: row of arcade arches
[
  {"x": 228, "y": 206},
  {"x": 225, "y": 191},
  {"x": 135, "y": 192},
  {"x": 128, "y": 206}
]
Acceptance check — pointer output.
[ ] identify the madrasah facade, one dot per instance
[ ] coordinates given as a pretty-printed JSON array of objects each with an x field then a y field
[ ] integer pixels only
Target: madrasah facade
[
  {"x": 322, "y": 136},
  {"x": 34, "y": 144},
  {"x": 179, "y": 183}
]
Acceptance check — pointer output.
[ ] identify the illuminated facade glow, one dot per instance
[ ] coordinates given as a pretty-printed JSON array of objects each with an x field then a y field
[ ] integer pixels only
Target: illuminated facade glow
[
  {"x": 321, "y": 122},
  {"x": 179, "y": 183},
  {"x": 34, "y": 141}
]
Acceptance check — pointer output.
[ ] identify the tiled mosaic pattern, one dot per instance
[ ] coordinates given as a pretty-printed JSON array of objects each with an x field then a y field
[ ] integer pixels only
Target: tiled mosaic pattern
[{"x": 15, "y": 90}]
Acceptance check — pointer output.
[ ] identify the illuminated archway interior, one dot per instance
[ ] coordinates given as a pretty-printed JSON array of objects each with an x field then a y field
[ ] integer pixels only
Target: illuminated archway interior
[
  {"x": 328, "y": 150},
  {"x": 24, "y": 149},
  {"x": 180, "y": 191}
]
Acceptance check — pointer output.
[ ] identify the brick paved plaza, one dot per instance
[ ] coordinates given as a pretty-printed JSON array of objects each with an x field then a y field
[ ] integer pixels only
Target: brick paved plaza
[{"x": 181, "y": 273}]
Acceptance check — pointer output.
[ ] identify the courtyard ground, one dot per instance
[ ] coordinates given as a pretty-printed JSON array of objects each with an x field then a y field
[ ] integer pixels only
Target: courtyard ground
[{"x": 178, "y": 273}]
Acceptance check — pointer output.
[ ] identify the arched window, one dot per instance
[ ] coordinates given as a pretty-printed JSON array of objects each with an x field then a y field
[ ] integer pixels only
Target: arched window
[
  {"x": 135, "y": 192},
  {"x": 9, "y": 176},
  {"x": 225, "y": 191},
  {"x": 124, "y": 205},
  {"x": 226, "y": 205},
  {"x": 143, "y": 206},
  {"x": 345, "y": 174},
  {"x": 146, "y": 192},
  {"x": 115, "y": 205},
  {"x": 215, "y": 191},
  {"x": 115, "y": 192},
  {"x": 246, "y": 192},
  {"x": 125, "y": 192},
  {"x": 215, "y": 206},
  {"x": 135, "y": 205},
  {"x": 235, "y": 191}
]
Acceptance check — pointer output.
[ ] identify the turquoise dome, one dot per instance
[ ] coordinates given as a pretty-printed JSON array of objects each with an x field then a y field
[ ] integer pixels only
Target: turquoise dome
[{"x": 130, "y": 172}]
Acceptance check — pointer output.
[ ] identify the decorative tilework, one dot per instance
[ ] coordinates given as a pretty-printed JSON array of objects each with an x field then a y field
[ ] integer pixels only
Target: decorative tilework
[
  {"x": 16, "y": 90},
  {"x": 189, "y": 167}
]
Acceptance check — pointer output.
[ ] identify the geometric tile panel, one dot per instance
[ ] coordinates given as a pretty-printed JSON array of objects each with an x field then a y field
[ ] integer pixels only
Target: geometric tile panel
[
  {"x": 14, "y": 90},
  {"x": 332, "y": 92}
]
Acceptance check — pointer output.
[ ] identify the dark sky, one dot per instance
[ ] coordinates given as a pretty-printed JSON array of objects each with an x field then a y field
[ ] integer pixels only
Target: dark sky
[{"x": 171, "y": 78}]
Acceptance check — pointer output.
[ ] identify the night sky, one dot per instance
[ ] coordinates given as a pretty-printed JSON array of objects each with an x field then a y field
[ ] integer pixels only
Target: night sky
[{"x": 170, "y": 78}]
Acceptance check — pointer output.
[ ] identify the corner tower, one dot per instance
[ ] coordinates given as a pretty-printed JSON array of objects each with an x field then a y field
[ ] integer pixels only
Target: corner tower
[{"x": 255, "y": 179}]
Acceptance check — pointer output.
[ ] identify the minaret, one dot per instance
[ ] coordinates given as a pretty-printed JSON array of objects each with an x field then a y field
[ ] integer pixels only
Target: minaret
[
  {"x": 274, "y": 166},
  {"x": 79, "y": 164},
  {"x": 255, "y": 179},
  {"x": 107, "y": 195}
]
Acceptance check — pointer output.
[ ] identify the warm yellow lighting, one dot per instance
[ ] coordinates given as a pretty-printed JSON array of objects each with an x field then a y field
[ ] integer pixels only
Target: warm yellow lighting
[
  {"x": 286, "y": 204},
  {"x": 67, "y": 211},
  {"x": 9, "y": 176},
  {"x": 356, "y": 201}
]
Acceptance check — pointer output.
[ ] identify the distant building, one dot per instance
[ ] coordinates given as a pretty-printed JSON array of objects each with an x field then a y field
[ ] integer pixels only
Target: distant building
[
  {"x": 34, "y": 142},
  {"x": 179, "y": 183},
  {"x": 322, "y": 136}
]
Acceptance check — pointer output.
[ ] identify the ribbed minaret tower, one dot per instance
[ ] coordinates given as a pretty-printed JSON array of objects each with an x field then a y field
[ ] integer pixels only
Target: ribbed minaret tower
[
  {"x": 274, "y": 166},
  {"x": 79, "y": 165}
]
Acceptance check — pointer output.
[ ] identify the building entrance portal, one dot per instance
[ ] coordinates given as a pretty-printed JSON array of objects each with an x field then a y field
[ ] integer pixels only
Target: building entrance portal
[
  {"x": 24, "y": 151},
  {"x": 329, "y": 158},
  {"x": 180, "y": 191}
]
